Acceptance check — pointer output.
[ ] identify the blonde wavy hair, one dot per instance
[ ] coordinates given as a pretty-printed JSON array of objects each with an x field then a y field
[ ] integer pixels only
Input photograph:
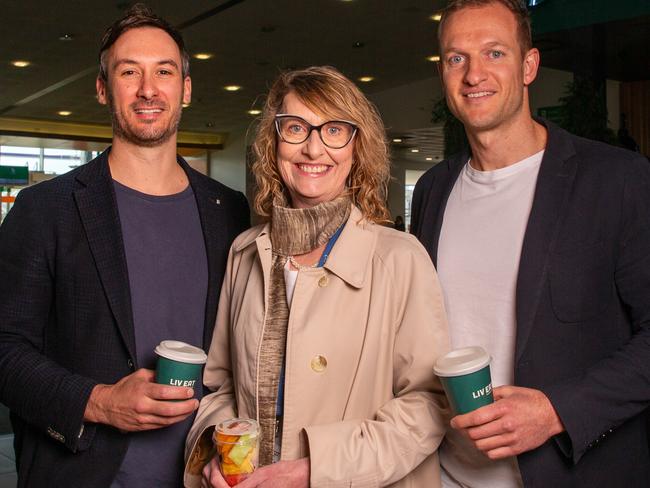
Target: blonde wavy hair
[{"x": 330, "y": 94}]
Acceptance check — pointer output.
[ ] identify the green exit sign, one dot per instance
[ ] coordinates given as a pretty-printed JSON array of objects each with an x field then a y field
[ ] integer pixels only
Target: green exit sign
[{"x": 14, "y": 175}]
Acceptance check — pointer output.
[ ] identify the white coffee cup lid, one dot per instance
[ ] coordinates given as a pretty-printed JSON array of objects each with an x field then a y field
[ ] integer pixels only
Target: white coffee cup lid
[
  {"x": 181, "y": 351},
  {"x": 462, "y": 361}
]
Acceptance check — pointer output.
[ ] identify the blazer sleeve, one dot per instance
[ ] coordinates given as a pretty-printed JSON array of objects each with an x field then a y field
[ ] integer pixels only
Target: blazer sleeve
[
  {"x": 408, "y": 428},
  {"x": 34, "y": 387},
  {"x": 220, "y": 404},
  {"x": 616, "y": 388}
]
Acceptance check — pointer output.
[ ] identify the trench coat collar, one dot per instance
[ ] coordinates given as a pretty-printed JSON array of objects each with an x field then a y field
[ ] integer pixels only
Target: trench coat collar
[{"x": 350, "y": 258}]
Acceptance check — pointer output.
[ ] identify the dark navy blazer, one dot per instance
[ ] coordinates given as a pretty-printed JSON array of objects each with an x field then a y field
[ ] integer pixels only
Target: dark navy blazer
[
  {"x": 582, "y": 306},
  {"x": 65, "y": 315}
]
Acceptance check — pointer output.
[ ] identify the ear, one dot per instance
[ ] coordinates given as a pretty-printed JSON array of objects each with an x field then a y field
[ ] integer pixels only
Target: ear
[
  {"x": 530, "y": 66},
  {"x": 100, "y": 86},
  {"x": 187, "y": 90}
]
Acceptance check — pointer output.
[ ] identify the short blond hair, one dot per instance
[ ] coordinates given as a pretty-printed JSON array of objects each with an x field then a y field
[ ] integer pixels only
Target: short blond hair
[{"x": 329, "y": 93}]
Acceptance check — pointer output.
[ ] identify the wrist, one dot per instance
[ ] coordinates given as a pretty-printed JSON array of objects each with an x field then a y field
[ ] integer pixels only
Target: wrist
[
  {"x": 556, "y": 425},
  {"x": 95, "y": 411}
]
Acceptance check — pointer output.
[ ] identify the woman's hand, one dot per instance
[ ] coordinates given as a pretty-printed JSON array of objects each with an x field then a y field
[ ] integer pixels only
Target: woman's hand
[
  {"x": 283, "y": 474},
  {"x": 212, "y": 476}
]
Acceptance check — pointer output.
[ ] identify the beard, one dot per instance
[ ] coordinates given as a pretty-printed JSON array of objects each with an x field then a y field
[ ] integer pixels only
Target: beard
[{"x": 150, "y": 133}]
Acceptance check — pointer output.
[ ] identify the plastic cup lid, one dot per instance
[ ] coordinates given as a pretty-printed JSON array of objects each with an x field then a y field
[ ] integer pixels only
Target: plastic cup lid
[
  {"x": 462, "y": 361},
  {"x": 181, "y": 352},
  {"x": 238, "y": 426}
]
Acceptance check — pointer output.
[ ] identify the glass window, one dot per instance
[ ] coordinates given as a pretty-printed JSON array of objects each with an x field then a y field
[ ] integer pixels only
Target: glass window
[
  {"x": 20, "y": 156},
  {"x": 60, "y": 161}
]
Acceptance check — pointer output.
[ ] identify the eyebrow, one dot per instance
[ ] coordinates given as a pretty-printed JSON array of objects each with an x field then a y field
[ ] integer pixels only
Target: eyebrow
[
  {"x": 162, "y": 62},
  {"x": 487, "y": 45}
]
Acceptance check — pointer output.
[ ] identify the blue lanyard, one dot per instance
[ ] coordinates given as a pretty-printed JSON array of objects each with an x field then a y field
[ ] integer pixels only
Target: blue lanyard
[{"x": 330, "y": 245}]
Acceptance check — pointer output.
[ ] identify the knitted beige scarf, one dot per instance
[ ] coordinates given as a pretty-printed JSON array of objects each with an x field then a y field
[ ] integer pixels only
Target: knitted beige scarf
[{"x": 293, "y": 232}]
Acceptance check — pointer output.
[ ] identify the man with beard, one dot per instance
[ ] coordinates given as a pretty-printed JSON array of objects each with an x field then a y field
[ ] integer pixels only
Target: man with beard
[{"x": 101, "y": 264}]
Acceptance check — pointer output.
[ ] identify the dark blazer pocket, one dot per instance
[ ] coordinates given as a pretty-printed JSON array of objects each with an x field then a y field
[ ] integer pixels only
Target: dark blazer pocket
[{"x": 580, "y": 283}]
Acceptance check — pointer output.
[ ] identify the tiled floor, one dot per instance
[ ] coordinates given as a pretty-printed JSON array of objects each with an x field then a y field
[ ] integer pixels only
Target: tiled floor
[{"x": 7, "y": 462}]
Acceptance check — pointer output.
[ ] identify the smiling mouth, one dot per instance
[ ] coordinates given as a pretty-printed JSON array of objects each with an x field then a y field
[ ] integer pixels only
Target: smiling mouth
[
  {"x": 479, "y": 94},
  {"x": 314, "y": 169},
  {"x": 146, "y": 111}
]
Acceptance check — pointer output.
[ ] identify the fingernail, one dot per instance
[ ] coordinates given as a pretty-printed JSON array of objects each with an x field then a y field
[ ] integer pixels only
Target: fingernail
[{"x": 190, "y": 392}]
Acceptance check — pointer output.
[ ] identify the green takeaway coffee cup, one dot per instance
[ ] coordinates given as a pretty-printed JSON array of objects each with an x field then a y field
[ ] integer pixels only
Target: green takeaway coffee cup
[
  {"x": 179, "y": 364},
  {"x": 465, "y": 376}
]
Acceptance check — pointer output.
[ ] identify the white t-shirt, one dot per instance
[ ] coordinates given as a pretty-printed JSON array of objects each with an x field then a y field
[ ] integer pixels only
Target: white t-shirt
[{"x": 478, "y": 262}]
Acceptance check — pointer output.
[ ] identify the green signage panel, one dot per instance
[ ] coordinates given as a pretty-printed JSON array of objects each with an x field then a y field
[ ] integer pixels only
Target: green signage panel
[{"x": 14, "y": 175}]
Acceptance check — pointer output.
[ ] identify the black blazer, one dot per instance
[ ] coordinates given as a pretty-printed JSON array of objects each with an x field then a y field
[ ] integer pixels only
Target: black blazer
[
  {"x": 65, "y": 315},
  {"x": 582, "y": 306}
]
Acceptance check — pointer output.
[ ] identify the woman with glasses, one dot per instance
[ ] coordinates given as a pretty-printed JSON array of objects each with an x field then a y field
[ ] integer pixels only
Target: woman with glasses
[{"x": 329, "y": 324}]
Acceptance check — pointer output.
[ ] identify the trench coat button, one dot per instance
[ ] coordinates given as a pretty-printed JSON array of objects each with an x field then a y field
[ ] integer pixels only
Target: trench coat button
[
  {"x": 323, "y": 281},
  {"x": 318, "y": 363},
  {"x": 130, "y": 364}
]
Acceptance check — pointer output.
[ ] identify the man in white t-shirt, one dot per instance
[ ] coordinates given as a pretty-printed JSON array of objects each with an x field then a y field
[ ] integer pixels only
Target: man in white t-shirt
[{"x": 542, "y": 244}]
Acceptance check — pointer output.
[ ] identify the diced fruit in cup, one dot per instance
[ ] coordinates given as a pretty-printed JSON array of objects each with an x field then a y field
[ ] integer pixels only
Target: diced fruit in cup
[
  {"x": 234, "y": 479},
  {"x": 225, "y": 443},
  {"x": 242, "y": 450},
  {"x": 229, "y": 468}
]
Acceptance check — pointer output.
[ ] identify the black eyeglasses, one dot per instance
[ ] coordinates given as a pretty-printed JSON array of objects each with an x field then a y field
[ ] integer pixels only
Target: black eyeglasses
[{"x": 335, "y": 134}]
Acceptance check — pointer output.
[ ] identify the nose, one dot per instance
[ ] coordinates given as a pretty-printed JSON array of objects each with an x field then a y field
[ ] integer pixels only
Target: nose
[
  {"x": 313, "y": 146},
  {"x": 147, "y": 88},
  {"x": 474, "y": 72}
]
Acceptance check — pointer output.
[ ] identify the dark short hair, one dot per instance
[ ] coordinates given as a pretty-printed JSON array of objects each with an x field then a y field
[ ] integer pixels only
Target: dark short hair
[
  {"x": 140, "y": 16},
  {"x": 517, "y": 7}
]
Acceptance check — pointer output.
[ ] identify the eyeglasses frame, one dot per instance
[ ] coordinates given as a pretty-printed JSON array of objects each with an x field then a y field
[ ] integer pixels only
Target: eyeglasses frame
[{"x": 316, "y": 128}]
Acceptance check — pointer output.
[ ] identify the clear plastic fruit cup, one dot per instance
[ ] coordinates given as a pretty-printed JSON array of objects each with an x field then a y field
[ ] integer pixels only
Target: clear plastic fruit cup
[{"x": 237, "y": 448}]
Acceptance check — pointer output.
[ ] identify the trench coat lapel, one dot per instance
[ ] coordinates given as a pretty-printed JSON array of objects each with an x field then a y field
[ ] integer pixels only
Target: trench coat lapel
[
  {"x": 556, "y": 175},
  {"x": 97, "y": 208}
]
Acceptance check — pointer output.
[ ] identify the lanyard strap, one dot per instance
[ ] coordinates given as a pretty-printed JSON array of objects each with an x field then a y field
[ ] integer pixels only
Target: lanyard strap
[{"x": 330, "y": 245}]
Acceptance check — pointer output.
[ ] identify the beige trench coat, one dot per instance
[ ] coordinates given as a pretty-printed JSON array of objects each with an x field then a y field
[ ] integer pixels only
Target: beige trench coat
[{"x": 360, "y": 396}]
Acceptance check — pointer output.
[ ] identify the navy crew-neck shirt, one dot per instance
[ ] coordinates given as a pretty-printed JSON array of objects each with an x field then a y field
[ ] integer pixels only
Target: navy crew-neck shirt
[{"x": 168, "y": 280}]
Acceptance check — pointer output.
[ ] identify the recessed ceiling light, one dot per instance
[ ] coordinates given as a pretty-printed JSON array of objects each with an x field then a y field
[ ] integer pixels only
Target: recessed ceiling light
[
  {"x": 203, "y": 56},
  {"x": 436, "y": 17},
  {"x": 429, "y": 159},
  {"x": 415, "y": 150},
  {"x": 397, "y": 140},
  {"x": 64, "y": 113},
  {"x": 20, "y": 63},
  {"x": 434, "y": 58},
  {"x": 366, "y": 79},
  {"x": 232, "y": 88},
  {"x": 254, "y": 112},
  {"x": 66, "y": 37}
]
